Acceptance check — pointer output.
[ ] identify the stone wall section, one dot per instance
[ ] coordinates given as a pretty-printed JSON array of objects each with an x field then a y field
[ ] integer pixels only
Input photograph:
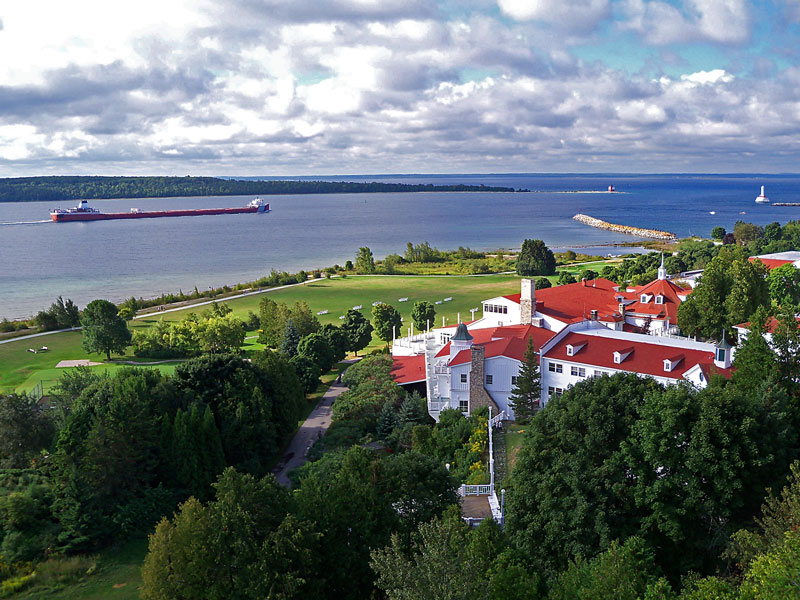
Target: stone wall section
[{"x": 478, "y": 396}]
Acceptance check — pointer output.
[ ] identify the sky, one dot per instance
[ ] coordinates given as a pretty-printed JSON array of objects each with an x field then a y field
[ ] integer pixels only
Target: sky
[{"x": 312, "y": 87}]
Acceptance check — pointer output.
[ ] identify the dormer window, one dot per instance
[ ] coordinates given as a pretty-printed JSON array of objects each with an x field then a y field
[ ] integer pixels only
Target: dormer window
[
  {"x": 645, "y": 298},
  {"x": 573, "y": 349},
  {"x": 593, "y": 314},
  {"x": 659, "y": 299},
  {"x": 672, "y": 363},
  {"x": 621, "y": 355}
]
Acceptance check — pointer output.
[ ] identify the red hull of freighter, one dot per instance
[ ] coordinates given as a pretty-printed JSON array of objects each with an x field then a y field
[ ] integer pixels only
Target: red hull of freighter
[
  {"x": 152, "y": 214},
  {"x": 84, "y": 213}
]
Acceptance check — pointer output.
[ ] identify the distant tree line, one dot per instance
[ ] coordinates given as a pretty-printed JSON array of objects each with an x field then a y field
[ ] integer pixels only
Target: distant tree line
[{"x": 55, "y": 188}]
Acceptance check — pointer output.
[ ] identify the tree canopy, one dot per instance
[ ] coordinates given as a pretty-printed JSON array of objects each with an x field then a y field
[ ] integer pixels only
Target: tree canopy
[
  {"x": 103, "y": 329},
  {"x": 535, "y": 258}
]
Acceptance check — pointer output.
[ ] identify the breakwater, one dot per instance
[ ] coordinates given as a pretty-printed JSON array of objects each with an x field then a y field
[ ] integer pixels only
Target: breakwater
[
  {"x": 786, "y": 204},
  {"x": 627, "y": 229}
]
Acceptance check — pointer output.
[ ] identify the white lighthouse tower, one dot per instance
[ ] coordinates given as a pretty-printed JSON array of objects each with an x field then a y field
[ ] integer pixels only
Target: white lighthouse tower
[{"x": 762, "y": 199}]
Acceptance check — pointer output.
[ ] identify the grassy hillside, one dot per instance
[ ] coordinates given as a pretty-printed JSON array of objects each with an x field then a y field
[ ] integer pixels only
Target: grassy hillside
[{"x": 22, "y": 370}]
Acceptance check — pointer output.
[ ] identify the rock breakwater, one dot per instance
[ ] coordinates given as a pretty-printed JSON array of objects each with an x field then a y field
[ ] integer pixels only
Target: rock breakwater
[{"x": 627, "y": 229}]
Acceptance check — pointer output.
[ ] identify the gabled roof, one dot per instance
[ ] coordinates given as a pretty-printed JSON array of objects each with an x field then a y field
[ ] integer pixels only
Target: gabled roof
[
  {"x": 643, "y": 357},
  {"x": 408, "y": 369},
  {"x": 510, "y": 341},
  {"x": 671, "y": 293},
  {"x": 770, "y": 325}
]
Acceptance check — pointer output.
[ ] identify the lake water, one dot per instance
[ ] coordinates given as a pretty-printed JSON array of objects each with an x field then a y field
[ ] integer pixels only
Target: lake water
[{"x": 40, "y": 260}]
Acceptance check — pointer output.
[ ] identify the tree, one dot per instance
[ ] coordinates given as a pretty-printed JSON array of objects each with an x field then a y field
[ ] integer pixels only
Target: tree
[
  {"x": 747, "y": 232},
  {"x": 103, "y": 329},
  {"x": 337, "y": 340},
  {"x": 241, "y": 545},
  {"x": 221, "y": 334},
  {"x": 565, "y": 278},
  {"x": 542, "y": 283},
  {"x": 25, "y": 429},
  {"x": 437, "y": 567},
  {"x": 387, "y": 321},
  {"x": 387, "y": 421},
  {"x": 423, "y": 315},
  {"x": 754, "y": 360},
  {"x": 315, "y": 347},
  {"x": 527, "y": 392},
  {"x": 307, "y": 371},
  {"x": 358, "y": 330},
  {"x": 784, "y": 286},
  {"x": 290, "y": 340},
  {"x": 571, "y": 492},
  {"x": 718, "y": 233},
  {"x": 731, "y": 290},
  {"x": 365, "y": 262},
  {"x": 535, "y": 258}
]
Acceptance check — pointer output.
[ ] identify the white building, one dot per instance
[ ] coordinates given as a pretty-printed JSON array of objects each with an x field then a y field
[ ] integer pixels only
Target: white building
[{"x": 580, "y": 330}]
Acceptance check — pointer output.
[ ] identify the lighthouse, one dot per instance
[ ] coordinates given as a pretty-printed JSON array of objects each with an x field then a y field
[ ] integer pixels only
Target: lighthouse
[{"x": 762, "y": 199}]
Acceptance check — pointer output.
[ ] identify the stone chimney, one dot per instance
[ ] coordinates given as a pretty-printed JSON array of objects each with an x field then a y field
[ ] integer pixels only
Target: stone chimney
[
  {"x": 527, "y": 301},
  {"x": 478, "y": 396}
]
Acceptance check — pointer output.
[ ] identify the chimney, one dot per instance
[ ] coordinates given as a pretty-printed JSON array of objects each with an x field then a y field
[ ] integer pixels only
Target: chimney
[
  {"x": 622, "y": 309},
  {"x": 478, "y": 396},
  {"x": 527, "y": 301},
  {"x": 583, "y": 281}
]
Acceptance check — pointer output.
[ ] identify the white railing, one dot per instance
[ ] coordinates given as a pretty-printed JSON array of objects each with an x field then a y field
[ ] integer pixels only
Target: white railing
[
  {"x": 441, "y": 370},
  {"x": 474, "y": 490},
  {"x": 438, "y": 406}
]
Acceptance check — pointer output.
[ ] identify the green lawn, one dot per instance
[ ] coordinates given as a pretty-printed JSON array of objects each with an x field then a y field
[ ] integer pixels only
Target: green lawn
[
  {"x": 514, "y": 434},
  {"x": 22, "y": 370},
  {"x": 117, "y": 576}
]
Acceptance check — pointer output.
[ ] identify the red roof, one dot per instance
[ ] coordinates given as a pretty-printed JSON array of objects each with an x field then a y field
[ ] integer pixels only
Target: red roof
[
  {"x": 510, "y": 341},
  {"x": 660, "y": 287},
  {"x": 769, "y": 327},
  {"x": 644, "y": 358},
  {"x": 771, "y": 263},
  {"x": 408, "y": 369},
  {"x": 574, "y": 302}
]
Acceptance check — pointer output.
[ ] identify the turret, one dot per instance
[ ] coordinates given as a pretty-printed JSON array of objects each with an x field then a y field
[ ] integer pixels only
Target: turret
[
  {"x": 722, "y": 353},
  {"x": 462, "y": 340}
]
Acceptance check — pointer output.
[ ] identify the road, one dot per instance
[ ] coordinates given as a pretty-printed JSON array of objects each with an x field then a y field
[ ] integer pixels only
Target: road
[{"x": 313, "y": 428}]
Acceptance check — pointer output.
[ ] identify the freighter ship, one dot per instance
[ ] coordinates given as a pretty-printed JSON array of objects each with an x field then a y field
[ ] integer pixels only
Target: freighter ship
[{"x": 83, "y": 212}]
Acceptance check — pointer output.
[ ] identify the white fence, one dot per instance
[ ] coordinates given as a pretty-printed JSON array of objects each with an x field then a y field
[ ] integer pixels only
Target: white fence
[{"x": 474, "y": 490}]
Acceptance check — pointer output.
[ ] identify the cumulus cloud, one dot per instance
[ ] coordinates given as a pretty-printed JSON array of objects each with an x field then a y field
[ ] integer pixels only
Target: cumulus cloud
[
  {"x": 660, "y": 23},
  {"x": 581, "y": 15},
  {"x": 256, "y": 87}
]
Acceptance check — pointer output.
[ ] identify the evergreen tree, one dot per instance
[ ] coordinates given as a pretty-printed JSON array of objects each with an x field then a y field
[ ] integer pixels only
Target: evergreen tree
[
  {"x": 535, "y": 258},
  {"x": 412, "y": 410},
  {"x": 526, "y": 394},
  {"x": 213, "y": 457},
  {"x": 290, "y": 339},
  {"x": 387, "y": 421}
]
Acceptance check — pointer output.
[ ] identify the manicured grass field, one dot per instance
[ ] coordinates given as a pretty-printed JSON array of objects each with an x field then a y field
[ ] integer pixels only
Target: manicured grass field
[{"x": 20, "y": 369}]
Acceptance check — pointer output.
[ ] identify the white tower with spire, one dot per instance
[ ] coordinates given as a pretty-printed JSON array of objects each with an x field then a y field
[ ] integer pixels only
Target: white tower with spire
[
  {"x": 662, "y": 271},
  {"x": 762, "y": 199}
]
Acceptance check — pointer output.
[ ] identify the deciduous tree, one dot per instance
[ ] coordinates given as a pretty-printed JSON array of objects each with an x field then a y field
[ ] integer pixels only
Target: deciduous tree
[
  {"x": 365, "y": 262},
  {"x": 423, "y": 314},
  {"x": 103, "y": 329},
  {"x": 387, "y": 321},
  {"x": 358, "y": 330}
]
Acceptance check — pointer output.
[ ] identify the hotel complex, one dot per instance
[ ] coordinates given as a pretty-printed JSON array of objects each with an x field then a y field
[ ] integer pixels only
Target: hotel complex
[{"x": 581, "y": 330}]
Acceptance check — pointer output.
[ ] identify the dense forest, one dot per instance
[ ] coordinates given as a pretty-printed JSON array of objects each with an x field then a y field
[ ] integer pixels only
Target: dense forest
[{"x": 32, "y": 189}]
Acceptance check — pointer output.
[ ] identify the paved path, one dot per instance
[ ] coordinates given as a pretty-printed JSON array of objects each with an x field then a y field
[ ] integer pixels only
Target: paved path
[
  {"x": 309, "y": 432},
  {"x": 36, "y": 335}
]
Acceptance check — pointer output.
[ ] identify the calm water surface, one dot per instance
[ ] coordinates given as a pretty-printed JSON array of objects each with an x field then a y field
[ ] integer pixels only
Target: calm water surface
[{"x": 146, "y": 257}]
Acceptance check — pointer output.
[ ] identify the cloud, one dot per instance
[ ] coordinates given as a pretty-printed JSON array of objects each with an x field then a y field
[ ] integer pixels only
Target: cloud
[
  {"x": 576, "y": 15},
  {"x": 660, "y": 23}
]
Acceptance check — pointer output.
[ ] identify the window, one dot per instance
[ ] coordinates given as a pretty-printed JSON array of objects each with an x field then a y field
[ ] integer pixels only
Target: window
[
  {"x": 463, "y": 405},
  {"x": 495, "y": 308},
  {"x": 597, "y": 373},
  {"x": 577, "y": 371},
  {"x": 659, "y": 299},
  {"x": 513, "y": 380},
  {"x": 489, "y": 379},
  {"x": 555, "y": 367},
  {"x": 446, "y": 337},
  {"x": 463, "y": 378},
  {"x": 554, "y": 391}
]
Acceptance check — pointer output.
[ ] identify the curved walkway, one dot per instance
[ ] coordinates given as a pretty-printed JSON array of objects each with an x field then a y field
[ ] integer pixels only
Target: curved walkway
[{"x": 313, "y": 428}]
